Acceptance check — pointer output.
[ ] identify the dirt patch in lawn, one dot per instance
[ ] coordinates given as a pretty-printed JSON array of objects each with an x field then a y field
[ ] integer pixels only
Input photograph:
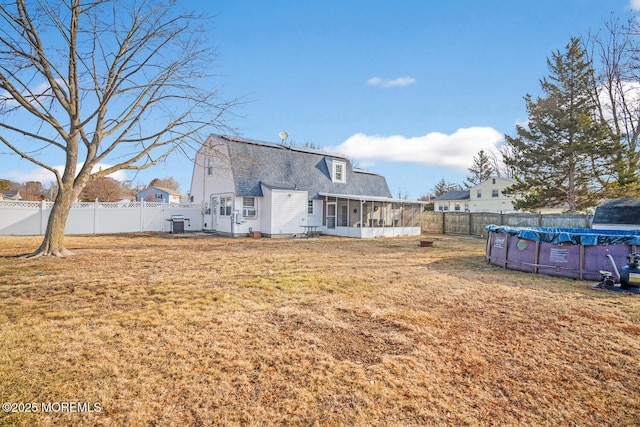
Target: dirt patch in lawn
[{"x": 203, "y": 330}]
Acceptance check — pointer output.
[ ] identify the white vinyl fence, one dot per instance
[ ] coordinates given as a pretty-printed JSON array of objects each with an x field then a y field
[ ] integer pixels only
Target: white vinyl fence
[{"x": 30, "y": 218}]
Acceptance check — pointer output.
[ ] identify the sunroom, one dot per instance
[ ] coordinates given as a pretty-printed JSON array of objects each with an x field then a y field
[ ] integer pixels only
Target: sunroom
[{"x": 370, "y": 216}]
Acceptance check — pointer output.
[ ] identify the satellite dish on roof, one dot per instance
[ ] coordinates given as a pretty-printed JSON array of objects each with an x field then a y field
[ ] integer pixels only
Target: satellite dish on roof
[{"x": 283, "y": 136}]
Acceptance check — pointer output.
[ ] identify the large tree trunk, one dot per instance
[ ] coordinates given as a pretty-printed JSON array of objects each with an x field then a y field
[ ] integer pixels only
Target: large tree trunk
[{"x": 53, "y": 243}]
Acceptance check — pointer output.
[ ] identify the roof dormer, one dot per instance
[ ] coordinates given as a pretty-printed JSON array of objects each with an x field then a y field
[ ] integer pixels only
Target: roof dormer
[{"x": 337, "y": 170}]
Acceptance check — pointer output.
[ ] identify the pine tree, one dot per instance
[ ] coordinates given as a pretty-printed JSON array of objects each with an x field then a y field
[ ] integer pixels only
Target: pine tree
[
  {"x": 555, "y": 156},
  {"x": 481, "y": 170},
  {"x": 443, "y": 187}
]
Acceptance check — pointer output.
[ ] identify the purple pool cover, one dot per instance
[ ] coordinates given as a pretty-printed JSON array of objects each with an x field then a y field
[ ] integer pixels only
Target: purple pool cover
[{"x": 578, "y": 253}]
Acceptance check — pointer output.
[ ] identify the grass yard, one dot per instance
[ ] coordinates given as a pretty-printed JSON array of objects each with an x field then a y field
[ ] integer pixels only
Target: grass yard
[{"x": 163, "y": 330}]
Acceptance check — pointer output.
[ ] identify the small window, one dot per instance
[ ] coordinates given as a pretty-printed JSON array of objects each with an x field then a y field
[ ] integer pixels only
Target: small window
[
  {"x": 310, "y": 207},
  {"x": 209, "y": 166},
  {"x": 457, "y": 206},
  {"x": 479, "y": 194},
  {"x": 446, "y": 207},
  {"x": 248, "y": 206},
  {"x": 495, "y": 193},
  {"x": 493, "y": 180},
  {"x": 339, "y": 172},
  {"x": 225, "y": 206}
]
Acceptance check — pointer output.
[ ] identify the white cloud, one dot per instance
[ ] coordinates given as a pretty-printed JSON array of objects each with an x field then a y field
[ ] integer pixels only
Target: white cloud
[
  {"x": 434, "y": 149},
  {"x": 634, "y": 4},
  {"x": 44, "y": 176},
  {"x": 630, "y": 92},
  {"x": 399, "y": 82}
]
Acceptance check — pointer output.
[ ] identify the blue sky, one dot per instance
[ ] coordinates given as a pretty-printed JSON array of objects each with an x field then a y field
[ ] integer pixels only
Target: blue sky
[{"x": 408, "y": 89}]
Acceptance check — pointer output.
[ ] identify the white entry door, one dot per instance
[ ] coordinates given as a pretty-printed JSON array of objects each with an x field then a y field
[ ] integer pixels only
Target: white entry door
[
  {"x": 331, "y": 215},
  {"x": 214, "y": 213}
]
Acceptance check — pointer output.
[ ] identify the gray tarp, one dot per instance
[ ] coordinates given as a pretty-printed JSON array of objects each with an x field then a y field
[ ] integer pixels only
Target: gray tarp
[{"x": 575, "y": 236}]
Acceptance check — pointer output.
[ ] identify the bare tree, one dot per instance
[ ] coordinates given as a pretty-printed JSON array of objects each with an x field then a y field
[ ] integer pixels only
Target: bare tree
[
  {"x": 100, "y": 81},
  {"x": 105, "y": 189},
  {"x": 168, "y": 182},
  {"x": 616, "y": 53},
  {"x": 32, "y": 190}
]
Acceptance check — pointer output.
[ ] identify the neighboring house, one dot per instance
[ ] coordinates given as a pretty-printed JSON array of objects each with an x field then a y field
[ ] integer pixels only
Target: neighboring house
[
  {"x": 488, "y": 196},
  {"x": 280, "y": 191},
  {"x": 160, "y": 194},
  {"x": 617, "y": 214},
  {"x": 452, "y": 201},
  {"x": 10, "y": 195}
]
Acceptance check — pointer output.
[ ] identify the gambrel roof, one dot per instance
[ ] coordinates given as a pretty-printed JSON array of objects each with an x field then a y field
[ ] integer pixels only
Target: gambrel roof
[{"x": 257, "y": 163}]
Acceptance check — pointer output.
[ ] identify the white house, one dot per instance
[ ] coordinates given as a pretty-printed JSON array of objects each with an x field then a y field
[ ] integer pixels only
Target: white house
[
  {"x": 253, "y": 186},
  {"x": 160, "y": 194},
  {"x": 488, "y": 196}
]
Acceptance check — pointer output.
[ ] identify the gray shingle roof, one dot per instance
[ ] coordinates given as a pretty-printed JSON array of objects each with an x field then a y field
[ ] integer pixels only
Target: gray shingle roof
[
  {"x": 255, "y": 162},
  {"x": 453, "y": 195}
]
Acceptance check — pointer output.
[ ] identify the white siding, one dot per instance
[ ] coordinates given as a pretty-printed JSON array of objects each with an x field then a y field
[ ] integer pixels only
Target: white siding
[
  {"x": 488, "y": 203},
  {"x": 284, "y": 211},
  {"x": 246, "y": 223},
  {"x": 220, "y": 181},
  {"x": 450, "y": 206},
  {"x": 266, "y": 214},
  {"x": 316, "y": 217},
  {"x": 205, "y": 186}
]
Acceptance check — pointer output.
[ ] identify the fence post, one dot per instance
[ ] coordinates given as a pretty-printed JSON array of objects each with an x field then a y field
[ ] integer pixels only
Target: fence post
[
  {"x": 470, "y": 223},
  {"x": 444, "y": 222},
  {"x": 42, "y": 221},
  {"x": 142, "y": 215},
  {"x": 95, "y": 216}
]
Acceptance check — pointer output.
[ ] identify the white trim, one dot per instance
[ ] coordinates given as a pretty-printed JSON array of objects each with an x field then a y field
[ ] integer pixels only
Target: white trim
[{"x": 371, "y": 198}]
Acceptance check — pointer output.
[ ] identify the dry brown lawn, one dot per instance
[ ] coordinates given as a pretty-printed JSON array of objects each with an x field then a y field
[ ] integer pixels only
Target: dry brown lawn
[{"x": 193, "y": 330}]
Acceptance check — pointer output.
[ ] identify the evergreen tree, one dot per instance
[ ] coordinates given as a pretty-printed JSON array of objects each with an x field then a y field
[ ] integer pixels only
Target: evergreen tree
[
  {"x": 481, "y": 170},
  {"x": 443, "y": 187},
  {"x": 556, "y": 156}
]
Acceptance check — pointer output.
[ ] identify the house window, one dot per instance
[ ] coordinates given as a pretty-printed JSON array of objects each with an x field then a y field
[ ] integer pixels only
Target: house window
[
  {"x": 446, "y": 207},
  {"x": 310, "y": 207},
  {"x": 457, "y": 206},
  {"x": 339, "y": 172},
  {"x": 495, "y": 193},
  {"x": 225, "y": 206},
  {"x": 479, "y": 194},
  {"x": 209, "y": 166},
  {"x": 493, "y": 180},
  {"x": 248, "y": 206}
]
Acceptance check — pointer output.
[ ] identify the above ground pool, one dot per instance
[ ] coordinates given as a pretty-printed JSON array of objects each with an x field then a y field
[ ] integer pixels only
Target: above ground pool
[{"x": 578, "y": 253}]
